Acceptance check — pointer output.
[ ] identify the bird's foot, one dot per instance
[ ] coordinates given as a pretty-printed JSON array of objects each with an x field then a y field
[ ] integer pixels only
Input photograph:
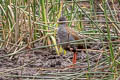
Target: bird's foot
[{"x": 71, "y": 66}]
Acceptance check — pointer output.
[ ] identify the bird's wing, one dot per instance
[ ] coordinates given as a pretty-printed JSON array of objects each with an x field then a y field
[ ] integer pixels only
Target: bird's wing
[{"x": 73, "y": 33}]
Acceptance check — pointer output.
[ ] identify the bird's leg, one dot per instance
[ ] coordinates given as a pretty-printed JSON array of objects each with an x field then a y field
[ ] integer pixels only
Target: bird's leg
[
  {"x": 74, "y": 55},
  {"x": 74, "y": 58}
]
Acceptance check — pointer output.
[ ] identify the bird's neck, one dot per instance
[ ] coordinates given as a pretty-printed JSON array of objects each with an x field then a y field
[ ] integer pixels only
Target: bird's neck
[{"x": 62, "y": 25}]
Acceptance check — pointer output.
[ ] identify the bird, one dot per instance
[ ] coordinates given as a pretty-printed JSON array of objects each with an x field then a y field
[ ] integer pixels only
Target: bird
[{"x": 66, "y": 34}]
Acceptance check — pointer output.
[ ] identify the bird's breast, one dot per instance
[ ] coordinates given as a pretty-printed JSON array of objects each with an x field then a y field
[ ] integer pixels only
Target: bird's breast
[{"x": 62, "y": 34}]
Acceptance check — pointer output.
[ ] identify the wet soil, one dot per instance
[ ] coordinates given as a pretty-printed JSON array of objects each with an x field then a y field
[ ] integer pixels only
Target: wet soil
[{"x": 43, "y": 61}]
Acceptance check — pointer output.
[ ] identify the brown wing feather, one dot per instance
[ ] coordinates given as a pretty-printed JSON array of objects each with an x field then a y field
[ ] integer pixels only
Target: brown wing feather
[{"x": 73, "y": 33}]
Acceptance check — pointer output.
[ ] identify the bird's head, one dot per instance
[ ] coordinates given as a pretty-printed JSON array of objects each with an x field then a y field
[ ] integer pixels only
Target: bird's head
[{"x": 62, "y": 20}]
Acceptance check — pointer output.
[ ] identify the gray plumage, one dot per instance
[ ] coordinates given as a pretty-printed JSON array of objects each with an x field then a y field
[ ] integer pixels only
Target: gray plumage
[{"x": 63, "y": 35}]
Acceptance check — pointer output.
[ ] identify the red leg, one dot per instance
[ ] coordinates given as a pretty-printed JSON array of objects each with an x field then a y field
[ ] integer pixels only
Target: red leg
[{"x": 74, "y": 58}]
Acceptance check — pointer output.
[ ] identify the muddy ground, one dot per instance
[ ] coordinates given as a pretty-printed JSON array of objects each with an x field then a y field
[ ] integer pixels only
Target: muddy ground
[{"x": 44, "y": 61}]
